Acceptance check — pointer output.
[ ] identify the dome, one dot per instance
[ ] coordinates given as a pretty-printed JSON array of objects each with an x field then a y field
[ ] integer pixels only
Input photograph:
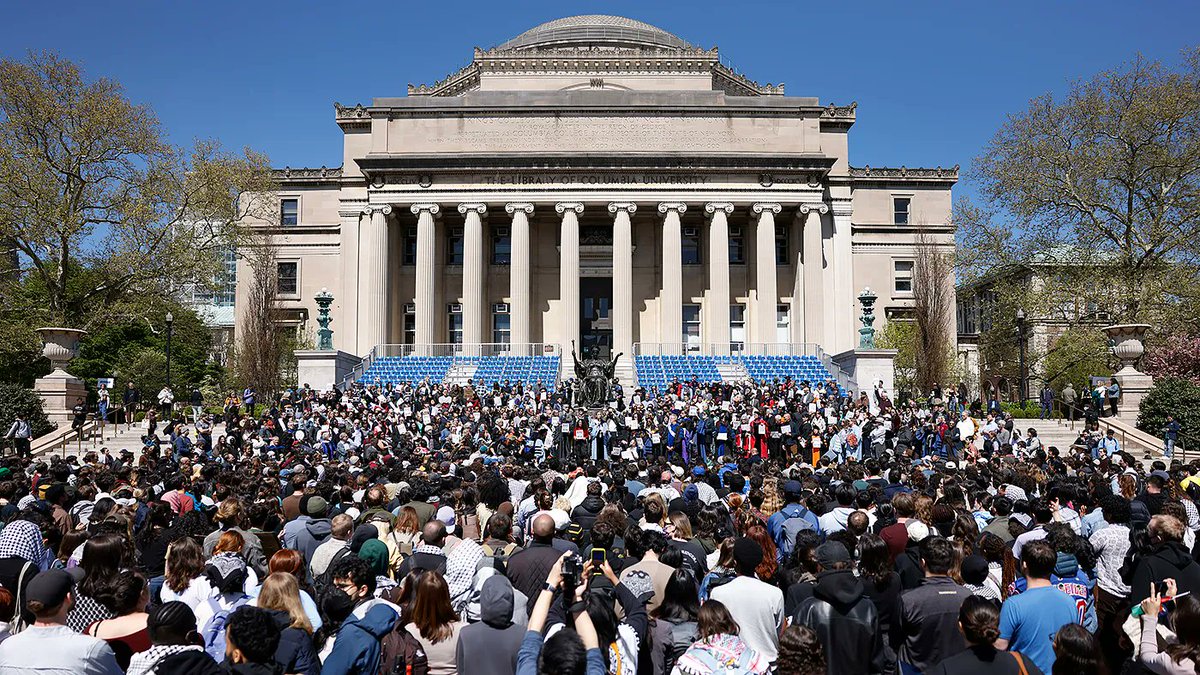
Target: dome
[{"x": 595, "y": 30}]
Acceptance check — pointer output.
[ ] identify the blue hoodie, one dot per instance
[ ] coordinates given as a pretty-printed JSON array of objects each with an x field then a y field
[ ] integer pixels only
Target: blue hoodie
[{"x": 357, "y": 648}]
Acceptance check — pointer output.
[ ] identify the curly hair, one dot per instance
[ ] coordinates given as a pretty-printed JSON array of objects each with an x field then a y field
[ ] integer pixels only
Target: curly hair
[{"x": 800, "y": 652}]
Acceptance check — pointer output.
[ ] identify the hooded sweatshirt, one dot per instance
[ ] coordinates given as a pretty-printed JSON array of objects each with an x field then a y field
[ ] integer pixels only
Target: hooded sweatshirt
[
  {"x": 357, "y": 648},
  {"x": 490, "y": 646},
  {"x": 295, "y": 653},
  {"x": 314, "y": 533},
  {"x": 1168, "y": 561},
  {"x": 845, "y": 621}
]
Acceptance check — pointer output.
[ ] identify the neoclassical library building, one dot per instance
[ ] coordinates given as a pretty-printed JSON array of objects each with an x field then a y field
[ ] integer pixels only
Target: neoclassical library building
[{"x": 600, "y": 181}]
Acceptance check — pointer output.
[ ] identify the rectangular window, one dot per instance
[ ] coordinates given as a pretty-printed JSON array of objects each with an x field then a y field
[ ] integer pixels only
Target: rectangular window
[
  {"x": 691, "y": 327},
  {"x": 737, "y": 247},
  {"x": 782, "y": 320},
  {"x": 501, "y": 246},
  {"x": 410, "y": 324},
  {"x": 410, "y": 246},
  {"x": 904, "y": 276},
  {"x": 737, "y": 326},
  {"x": 501, "y": 325},
  {"x": 454, "y": 246},
  {"x": 287, "y": 278},
  {"x": 289, "y": 212},
  {"x": 781, "y": 244},
  {"x": 901, "y": 207},
  {"x": 454, "y": 324},
  {"x": 691, "y": 246}
]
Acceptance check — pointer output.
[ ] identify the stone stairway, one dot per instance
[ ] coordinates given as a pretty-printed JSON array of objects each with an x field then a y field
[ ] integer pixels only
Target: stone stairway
[
  {"x": 460, "y": 372},
  {"x": 733, "y": 371}
]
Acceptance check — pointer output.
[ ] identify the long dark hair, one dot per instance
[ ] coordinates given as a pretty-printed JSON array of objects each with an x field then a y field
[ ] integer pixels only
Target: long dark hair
[
  {"x": 681, "y": 599},
  {"x": 1185, "y": 621},
  {"x": 185, "y": 561},
  {"x": 431, "y": 609},
  {"x": 874, "y": 559},
  {"x": 1077, "y": 651},
  {"x": 715, "y": 619},
  {"x": 104, "y": 556},
  {"x": 800, "y": 652}
]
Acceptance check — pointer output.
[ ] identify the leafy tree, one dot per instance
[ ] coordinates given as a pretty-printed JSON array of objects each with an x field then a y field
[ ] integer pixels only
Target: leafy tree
[
  {"x": 1074, "y": 357},
  {"x": 1172, "y": 396},
  {"x": 99, "y": 213},
  {"x": 147, "y": 367},
  {"x": 901, "y": 336},
  {"x": 16, "y": 399},
  {"x": 1104, "y": 181}
]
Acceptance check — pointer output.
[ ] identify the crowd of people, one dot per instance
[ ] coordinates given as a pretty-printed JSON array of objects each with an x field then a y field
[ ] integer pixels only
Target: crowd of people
[{"x": 709, "y": 528}]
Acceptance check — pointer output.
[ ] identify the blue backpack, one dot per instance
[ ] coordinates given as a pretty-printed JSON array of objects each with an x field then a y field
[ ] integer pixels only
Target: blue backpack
[
  {"x": 787, "y": 534},
  {"x": 214, "y": 628}
]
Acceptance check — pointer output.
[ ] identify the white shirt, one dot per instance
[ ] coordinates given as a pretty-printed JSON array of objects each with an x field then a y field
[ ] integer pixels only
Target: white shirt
[{"x": 757, "y": 607}]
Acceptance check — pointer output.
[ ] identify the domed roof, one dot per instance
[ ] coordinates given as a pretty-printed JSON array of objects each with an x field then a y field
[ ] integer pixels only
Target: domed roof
[{"x": 590, "y": 30}]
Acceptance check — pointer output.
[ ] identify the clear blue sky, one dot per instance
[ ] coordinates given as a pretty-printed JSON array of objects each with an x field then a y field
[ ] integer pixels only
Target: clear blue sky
[{"x": 933, "y": 80}]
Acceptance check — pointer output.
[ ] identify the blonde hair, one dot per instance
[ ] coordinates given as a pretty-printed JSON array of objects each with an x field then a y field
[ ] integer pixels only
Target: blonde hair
[{"x": 281, "y": 591}]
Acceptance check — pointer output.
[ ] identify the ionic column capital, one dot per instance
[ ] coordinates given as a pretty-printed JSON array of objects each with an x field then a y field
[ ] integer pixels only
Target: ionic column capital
[
  {"x": 678, "y": 207},
  {"x": 512, "y": 207},
  {"x": 711, "y": 208},
  {"x": 628, "y": 207},
  {"x": 758, "y": 207},
  {"x": 477, "y": 207},
  {"x": 433, "y": 209},
  {"x": 372, "y": 209},
  {"x": 563, "y": 207},
  {"x": 820, "y": 207}
]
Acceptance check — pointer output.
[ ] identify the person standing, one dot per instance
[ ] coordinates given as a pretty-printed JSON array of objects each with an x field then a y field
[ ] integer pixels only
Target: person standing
[
  {"x": 102, "y": 401},
  {"x": 78, "y": 417},
  {"x": 1113, "y": 394},
  {"x": 1027, "y": 619},
  {"x": 49, "y": 646},
  {"x": 129, "y": 403},
  {"x": 1068, "y": 400},
  {"x": 1170, "y": 436},
  {"x": 20, "y": 433},
  {"x": 197, "y": 401},
  {"x": 927, "y": 622},
  {"x": 248, "y": 400},
  {"x": 166, "y": 401},
  {"x": 756, "y": 606},
  {"x": 1047, "y": 400}
]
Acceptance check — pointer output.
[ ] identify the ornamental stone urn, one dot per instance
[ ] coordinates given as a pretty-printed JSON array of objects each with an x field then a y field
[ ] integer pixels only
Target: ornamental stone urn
[
  {"x": 60, "y": 390},
  {"x": 1128, "y": 346}
]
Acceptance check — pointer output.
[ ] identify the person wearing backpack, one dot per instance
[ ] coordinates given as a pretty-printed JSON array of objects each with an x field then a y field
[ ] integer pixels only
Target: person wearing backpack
[
  {"x": 226, "y": 574},
  {"x": 359, "y": 643},
  {"x": 786, "y": 522}
]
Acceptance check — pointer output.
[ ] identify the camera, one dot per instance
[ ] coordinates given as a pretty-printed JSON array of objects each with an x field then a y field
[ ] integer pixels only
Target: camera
[{"x": 572, "y": 571}]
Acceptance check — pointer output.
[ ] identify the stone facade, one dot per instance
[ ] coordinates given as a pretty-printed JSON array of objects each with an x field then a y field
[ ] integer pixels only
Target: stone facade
[{"x": 601, "y": 166}]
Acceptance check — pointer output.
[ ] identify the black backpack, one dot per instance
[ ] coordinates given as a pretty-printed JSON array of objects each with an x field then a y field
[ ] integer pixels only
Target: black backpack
[{"x": 325, "y": 579}]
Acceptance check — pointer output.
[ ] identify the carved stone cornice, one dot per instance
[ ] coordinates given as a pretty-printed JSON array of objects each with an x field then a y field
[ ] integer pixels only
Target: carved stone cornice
[
  {"x": 627, "y": 207},
  {"x": 512, "y": 207},
  {"x": 904, "y": 173},
  {"x": 307, "y": 174},
  {"x": 666, "y": 207},
  {"x": 465, "y": 79},
  {"x": 563, "y": 207},
  {"x": 758, "y": 207},
  {"x": 433, "y": 209},
  {"x": 711, "y": 208},
  {"x": 477, "y": 207},
  {"x": 833, "y": 111}
]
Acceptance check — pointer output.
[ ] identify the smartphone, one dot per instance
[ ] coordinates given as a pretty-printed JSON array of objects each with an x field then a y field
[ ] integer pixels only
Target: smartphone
[{"x": 598, "y": 556}]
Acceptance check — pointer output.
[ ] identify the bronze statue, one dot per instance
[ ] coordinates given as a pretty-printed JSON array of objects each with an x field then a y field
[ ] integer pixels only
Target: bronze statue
[{"x": 593, "y": 386}]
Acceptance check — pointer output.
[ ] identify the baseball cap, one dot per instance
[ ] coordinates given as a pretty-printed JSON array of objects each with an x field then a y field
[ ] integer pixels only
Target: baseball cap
[
  {"x": 831, "y": 553},
  {"x": 50, "y": 588},
  {"x": 793, "y": 487},
  {"x": 917, "y": 531}
]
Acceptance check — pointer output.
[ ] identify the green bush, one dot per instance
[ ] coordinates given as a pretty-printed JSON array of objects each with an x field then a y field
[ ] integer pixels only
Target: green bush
[
  {"x": 1177, "y": 397},
  {"x": 1029, "y": 410},
  {"x": 17, "y": 399}
]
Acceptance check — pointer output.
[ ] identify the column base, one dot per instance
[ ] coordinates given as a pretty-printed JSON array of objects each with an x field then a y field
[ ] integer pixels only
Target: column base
[
  {"x": 59, "y": 391},
  {"x": 323, "y": 369},
  {"x": 868, "y": 367}
]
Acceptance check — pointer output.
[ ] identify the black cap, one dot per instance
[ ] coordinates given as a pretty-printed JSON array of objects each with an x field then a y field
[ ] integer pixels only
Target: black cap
[
  {"x": 831, "y": 553},
  {"x": 974, "y": 569},
  {"x": 50, "y": 588},
  {"x": 747, "y": 553}
]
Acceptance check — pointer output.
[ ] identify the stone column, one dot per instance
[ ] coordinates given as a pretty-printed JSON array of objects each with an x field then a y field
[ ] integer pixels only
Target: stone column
[
  {"x": 374, "y": 309},
  {"x": 622, "y": 302},
  {"x": 670, "y": 304},
  {"x": 426, "y": 299},
  {"x": 797, "y": 319},
  {"x": 716, "y": 311},
  {"x": 843, "y": 279},
  {"x": 348, "y": 258},
  {"x": 766, "y": 286},
  {"x": 473, "y": 280},
  {"x": 518, "y": 270},
  {"x": 814, "y": 275},
  {"x": 568, "y": 275}
]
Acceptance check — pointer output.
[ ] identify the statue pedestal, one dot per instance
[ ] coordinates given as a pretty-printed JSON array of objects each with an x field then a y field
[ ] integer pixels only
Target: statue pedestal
[
  {"x": 868, "y": 367},
  {"x": 1128, "y": 346},
  {"x": 322, "y": 369},
  {"x": 60, "y": 391}
]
